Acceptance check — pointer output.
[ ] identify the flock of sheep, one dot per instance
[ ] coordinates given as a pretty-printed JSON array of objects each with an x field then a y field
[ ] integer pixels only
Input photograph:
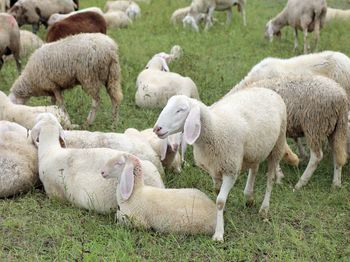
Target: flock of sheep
[{"x": 304, "y": 96}]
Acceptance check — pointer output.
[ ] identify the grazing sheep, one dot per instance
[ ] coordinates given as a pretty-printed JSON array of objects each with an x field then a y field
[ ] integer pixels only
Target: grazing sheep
[
  {"x": 165, "y": 210},
  {"x": 307, "y": 16},
  {"x": 129, "y": 7},
  {"x": 166, "y": 149},
  {"x": 18, "y": 160},
  {"x": 117, "y": 19},
  {"x": 85, "y": 22},
  {"x": 199, "y": 7},
  {"x": 87, "y": 59},
  {"x": 236, "y": 133},
  {"x": 58, "y": 17},
  {"x": 333, "y": 14},
  {"x": 317, "y": 108},
  {"x": 34, "y": 12},
  {"x": 9, "y": 39},
  {"x": 156, "y": 84},
  {"x": 74, "y": 174},
  {"x": 180, "y": 14},
  {"x": 26, "y": 115}
]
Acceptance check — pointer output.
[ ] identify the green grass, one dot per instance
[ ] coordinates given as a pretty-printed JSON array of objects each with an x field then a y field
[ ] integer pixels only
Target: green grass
[{"x": 310, "y": 225}]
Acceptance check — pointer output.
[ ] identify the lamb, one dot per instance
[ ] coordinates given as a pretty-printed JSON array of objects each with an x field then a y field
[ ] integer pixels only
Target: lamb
[
  {"x": 58, "y": 17},
  {"x": 87, "y": 59},
  {"x": 9, "y": 39},
  {"x": 333, "y": 14},
  {"x": 252, "y": 121},
  {"x": 85, "y": 22},
  {"x": 18, "y": 160},
  {"x": 156, "y": 84},
  {"x": 74, "y": 174},
  {"x": 26, "y": 115},
  {"x": 34, "y": 12},
  {"x": 317, "y": 108},
  {"x": 199, "y": 7},
  {"x": 117, "y": 19},
  {"x": 165, "y": 210},
  {"x": 129, "y": 7},
  {"x": 307, "y": 16}
]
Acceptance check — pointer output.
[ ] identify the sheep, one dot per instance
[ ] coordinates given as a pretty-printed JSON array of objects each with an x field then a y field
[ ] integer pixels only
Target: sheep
[
  {"x": 165, "y": 210},
  {"x": 85, "y": 22},
  {"x": 236, "y": 133},
  {"x": 317, "y": 108},
  {"x": 179, "y": 14},
  {"x": 18, "y": 160},
  {"x": 87, "y": 59},
  {"x": 199, "y": 7},
  {"x": 117, "y": 19},
  {"x": 74, "y": 174},
  {"x": 156, "y": 84},
  {"x": 26, "y": 115},
  {"x": 58, "y": 17},
  {"x": 4, "y": 4},
  {"x": 307, "y": 16},
  {"x": 333, "y": 14},
  {"x": 35, "y": 12},
  {"x": 166, "y": 149},
  {"x": 9, "y": 39},
  {"x": 129, "y": 7}
]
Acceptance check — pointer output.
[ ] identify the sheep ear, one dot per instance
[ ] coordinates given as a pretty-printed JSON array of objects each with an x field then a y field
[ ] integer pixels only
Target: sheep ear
[
  {"x": 62, "y": 139},
  {"x": 35, "y": 135},
  {"x": 192, "y": 128},
  {"x": 163, "y": 148},
  {"x": 126, "y": 183},
  {"x": 165, "y": 66}
]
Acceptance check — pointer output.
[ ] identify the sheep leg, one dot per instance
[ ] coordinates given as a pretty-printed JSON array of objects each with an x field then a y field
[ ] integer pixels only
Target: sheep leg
[
  {"x": 316, "y": 34},
  {"x": 249, "y": 187},
  {"x": 94, "y": 106},
  {"x": 209, "y": 18},
  {"x": 229, "y": 16},
  {"x": 271, "y": 174},
  {"x": 1, "y": 62},
  {"x": 279, "y": 175},
  {"x": 59, "y": 98},
  {"x": 242, "y": 7},
  {"x": 305, "y": 40},
  {"x": 301, "y": 148},
  {"x": 227, "y": 183},
  {"x": 217, "y": 184},
  {"x": 311, "y": 166},
  {"x": 337, "y": 173},
  {"x": 296, "y": 39}
]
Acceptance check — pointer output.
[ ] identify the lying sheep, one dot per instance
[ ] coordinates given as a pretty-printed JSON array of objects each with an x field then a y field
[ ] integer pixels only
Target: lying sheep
[
  {"x": 333, "y": 14},
  {"x": 252, "y": 122},
  {"x": 74, "y": 174},
  {"x": 308, "y": 16},
  {"x": 26, "y": 115},
  {"x": 34, "y": 12},
  {"x": 129, "y": 7},
  {"x": 85, "y": 22},
  {"x": 9, "y": 39},
  {"x": 87, "y": 59},
  {"x": 156, "y": 84},
  {"x": 18, "y": 160},
  {"x": 199, "y": 7},
  {"x": 165, "y": 210},
  {"x": 117, "y": 19},
  {"x": 317, "y": 108},
  {"x": 58, "y": 17}
]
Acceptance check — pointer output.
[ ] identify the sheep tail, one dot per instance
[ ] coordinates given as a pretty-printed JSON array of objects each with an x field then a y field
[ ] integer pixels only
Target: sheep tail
[
  {"x": 113, "y": 86},
  {"x": 339, "y": 138}
]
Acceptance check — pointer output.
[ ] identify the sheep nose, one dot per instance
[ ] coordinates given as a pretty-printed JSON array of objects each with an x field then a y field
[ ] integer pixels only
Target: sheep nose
[
  {"x": 175, "y": 147},
  {"x": 157, "y": 129},
  {"x": 103, "y": 173}
]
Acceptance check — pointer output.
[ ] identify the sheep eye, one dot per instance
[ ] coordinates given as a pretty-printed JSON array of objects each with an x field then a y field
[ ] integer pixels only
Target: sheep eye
[{"x": 179, "y": 110}]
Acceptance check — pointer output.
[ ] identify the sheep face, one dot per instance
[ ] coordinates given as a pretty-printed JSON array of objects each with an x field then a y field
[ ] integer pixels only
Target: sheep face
[
  {"x": 191, "y": 22},
  {"x": 17, "y": 100},
  {"x": 270, "y": 31},
  {"x": 113, "y": 167}
]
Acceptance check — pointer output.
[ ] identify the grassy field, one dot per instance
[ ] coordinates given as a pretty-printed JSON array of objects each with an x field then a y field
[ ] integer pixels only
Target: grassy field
[{"x": 310, "y": 225}]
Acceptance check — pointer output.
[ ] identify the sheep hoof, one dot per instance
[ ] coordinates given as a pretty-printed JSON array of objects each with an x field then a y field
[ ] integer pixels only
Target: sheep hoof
[
  {"x": 249, "y": 203},
  {"x": 263, "y": 212},
  {"x": 336, "y": 186},
  {"x": 218, "y": 237},
  {"x": 297, "y": 187}
]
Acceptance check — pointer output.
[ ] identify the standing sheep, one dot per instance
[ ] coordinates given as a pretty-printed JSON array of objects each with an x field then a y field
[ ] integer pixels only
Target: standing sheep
[
  {"x": 156, "y": 84},
  {"x": 9, "y": 39},
  {"x": 87, "y": 59},
  {"x": 129, "y": 7},
  {"x": 85, "y": 22},
  {"x": 236, "y": 133},
  {"x": 185, "y": 210},
  {"x": 308, "y": 16}
]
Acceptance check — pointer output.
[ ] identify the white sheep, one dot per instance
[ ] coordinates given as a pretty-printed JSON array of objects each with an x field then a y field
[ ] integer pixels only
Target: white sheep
[
  {"x": 156, "y": 84},
  {"x": 308, "y": 16},
  {"x": 87, "y": 59},
  {"x": 317, "y": 109},
  {"x": 58, "y": 16},
  {"x": 236, "y": 133},
  {"x": 117, "y": 19},
  {"x": 18, "y": 160},
  {"x": 74, "y": 174},
  {"x": 26, "y": 115},
  {"x": 179, "y": 14},
  {"x": 129, "y": 7},
  {"x": 334, "y": 14},
  {"x": 165, "y": 210},
  {"x": 199, "y": 7}
]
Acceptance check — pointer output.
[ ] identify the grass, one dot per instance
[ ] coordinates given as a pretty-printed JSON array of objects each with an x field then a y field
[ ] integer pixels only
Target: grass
[{"x": 310, "y": 225}]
